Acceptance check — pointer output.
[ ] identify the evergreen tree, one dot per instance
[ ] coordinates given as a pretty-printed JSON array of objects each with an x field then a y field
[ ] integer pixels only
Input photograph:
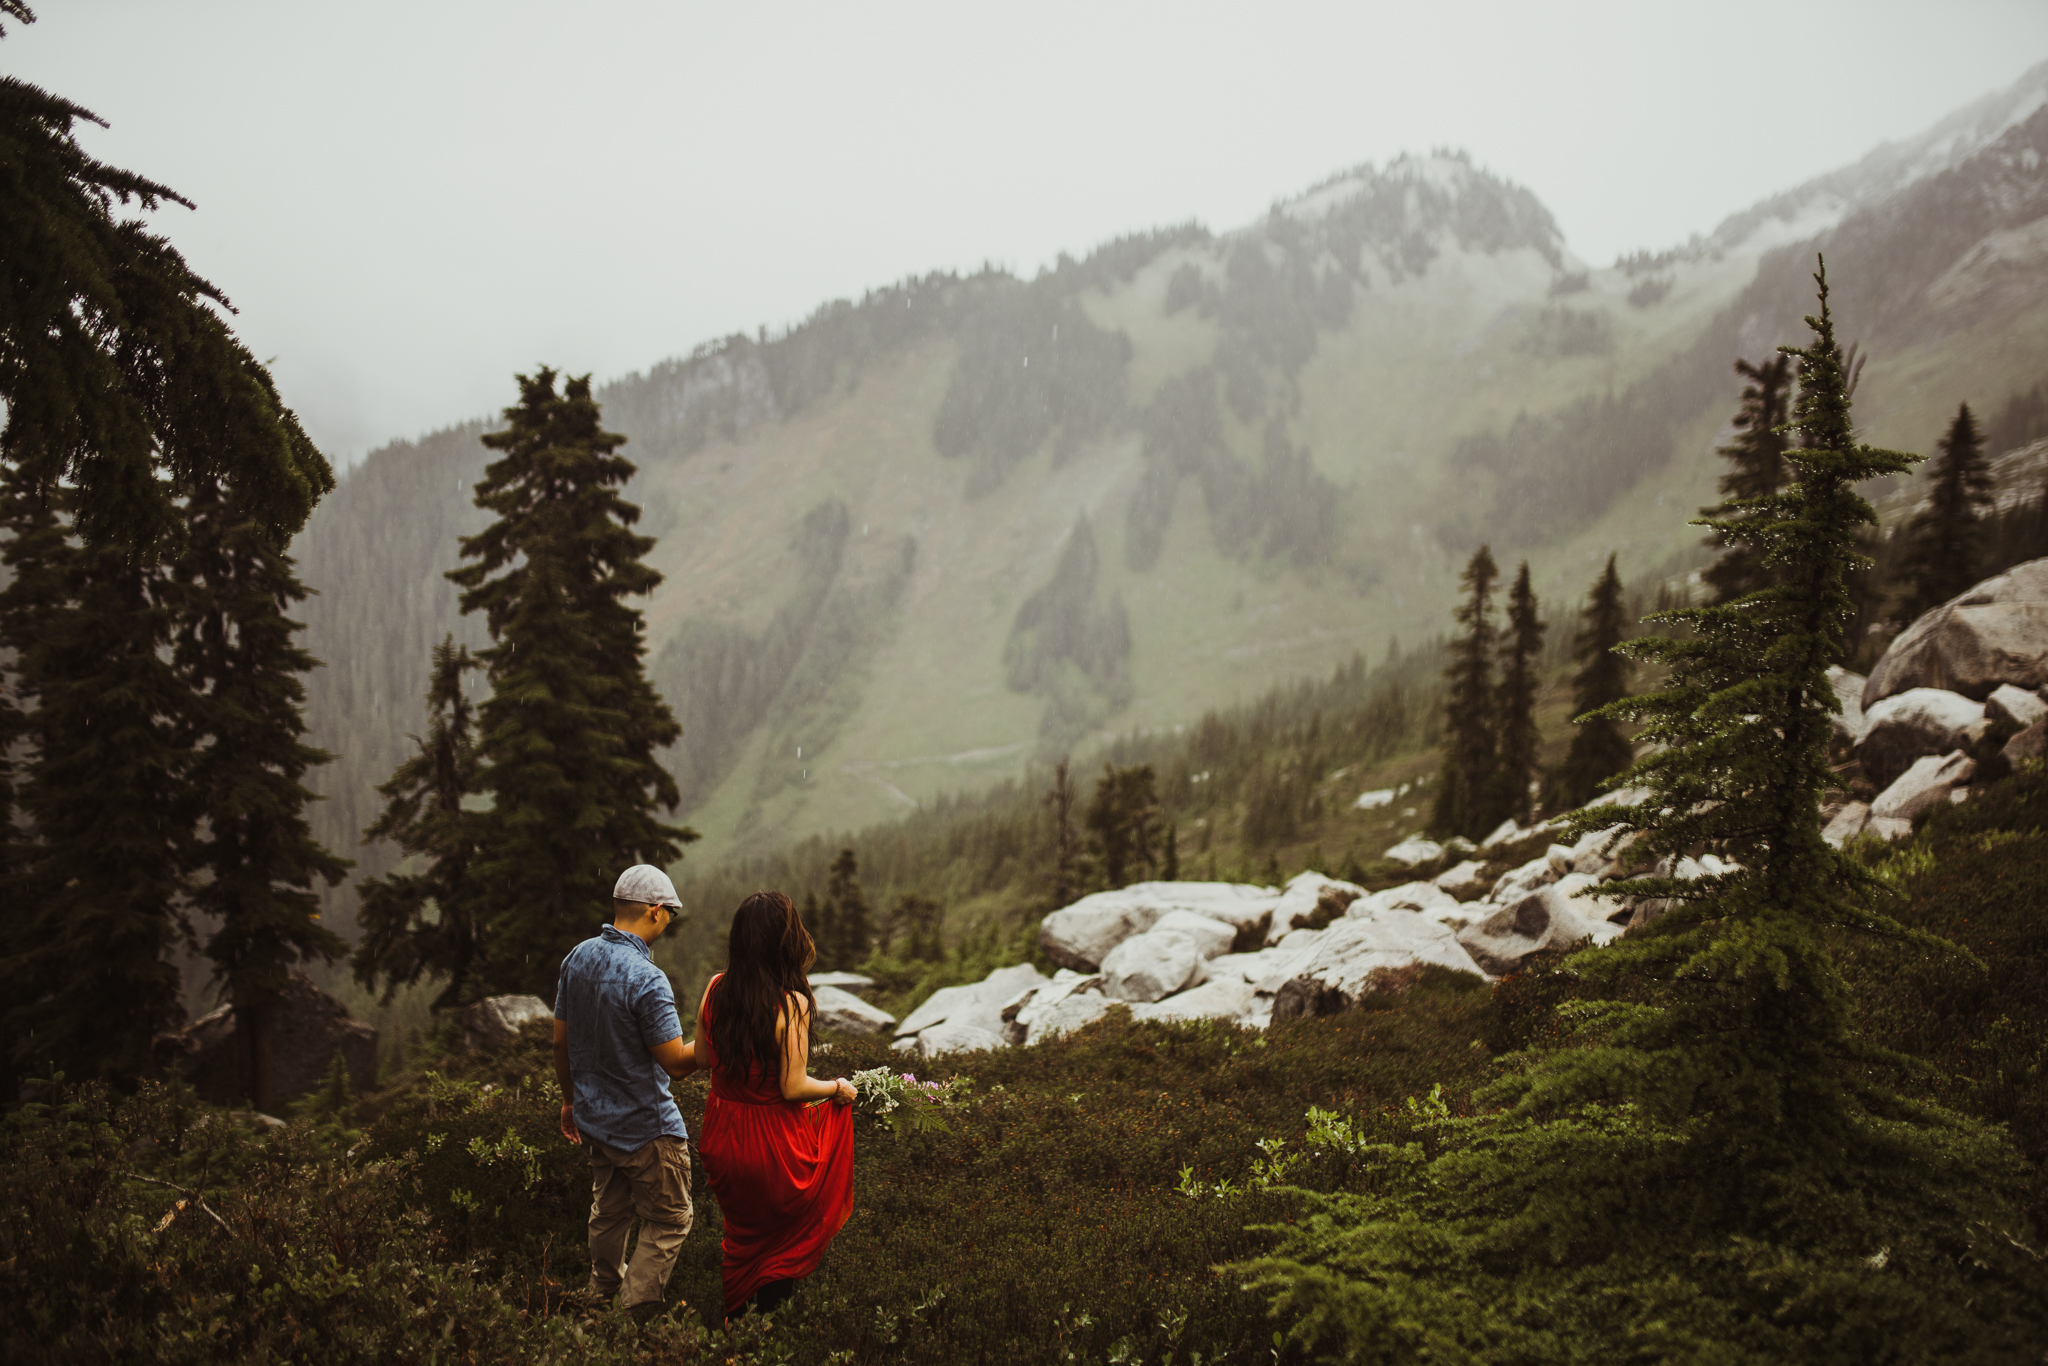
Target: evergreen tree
[
  {"x": 824, "y": 936},
  {"x": 1122, "y": 821},
  {"x": 424, "y": 923},
  {"x": 260, "y": 860},
  {"x": 1521, "y": 652},
  {"x": 1169, "y": 861},
  {"x": 1711, "y": 1171},
  {"x": 1465, "y": 792},
  {"x": 1757, "y": 470},
  {"x": 1945, "y": 542},
  {"x": 1599, "y": 748},
  {"x": 1066, "y": 872},
  {"x": 852, "y": 930},
  {"x": 95, "y": 892},
  {"x": 569, "y": 733},
  {"x": 114, "y": 358}
]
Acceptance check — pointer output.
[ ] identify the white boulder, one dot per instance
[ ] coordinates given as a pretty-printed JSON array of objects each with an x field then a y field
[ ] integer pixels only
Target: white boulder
[
  {"x": 1211, "y": 937},
  {"x": 1908, "y": 725},
  {"x": 1548, "y": 917},
  {"x": 1517, "y": 883},
  {"x": 1081, "y": 935},
  {"x": 845, "y": 981},
  {"x": 841, "y": 1010},
  {"x": 1849, "y": 695},
  {"x": 2015, "y": 707},
  {"x": 1995, "y": 633},
  {"x": 1847, "y": 824},
  {"x": 1066, "y": 1015},
  {"x": 954, "y": 1037},
  {"x": 1890, "y": 829},
  {"x": 1032, "y": 1004},
  {"x": 1148, "y": 966},
  {"x": 1465, "y": 881},
  {"x": 1219, "y": 998},
  {"x": 495, "y": 1021},
  {"x": 1409, "y": 896},
  {"x": 1924, "y": 786},
  {"x": 1415, "y": 850},
  {"x": 1357, "y": 959},
  {"x": 1374, "y": 800},
  {"x": 1310, "y": 896},
  {"x": 978, "y": 1003},
  {"x": 1503, "y": 833}
]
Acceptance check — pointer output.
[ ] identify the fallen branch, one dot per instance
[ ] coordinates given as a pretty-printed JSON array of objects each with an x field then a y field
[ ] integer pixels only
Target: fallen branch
[{"x": 193, "y": 1196}]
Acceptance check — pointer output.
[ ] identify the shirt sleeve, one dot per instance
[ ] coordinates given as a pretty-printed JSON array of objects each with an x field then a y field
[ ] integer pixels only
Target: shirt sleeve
[
  {"x": 562, "y": 986},
  {"x": 655, "y": 1012}
]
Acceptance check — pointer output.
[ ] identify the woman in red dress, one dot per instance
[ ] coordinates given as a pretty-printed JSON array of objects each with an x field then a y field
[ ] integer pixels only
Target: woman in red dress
[{"x": 779, "y": 1160}]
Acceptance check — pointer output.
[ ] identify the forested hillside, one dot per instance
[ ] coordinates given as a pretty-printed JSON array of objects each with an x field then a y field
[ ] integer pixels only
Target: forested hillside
[{"x": 970, "y": 523}]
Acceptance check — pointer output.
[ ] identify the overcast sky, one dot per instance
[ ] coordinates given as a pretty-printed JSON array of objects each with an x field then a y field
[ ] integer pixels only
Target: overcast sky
[{"x": 407, "y": 202}]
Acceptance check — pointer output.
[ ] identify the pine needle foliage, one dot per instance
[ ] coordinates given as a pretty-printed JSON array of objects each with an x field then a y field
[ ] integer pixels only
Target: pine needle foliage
[
  {"x": 1465, "y": 794},
  {"x": 424, "y": 922},
  {"x": 234, "y": 647},
  {"x": 1708, "y": 1172},
  {"x": 569, "y": 733},
  {"x": 115, "y": 366},
  {"x": 1945, "y": 543},
  {"x": 1599, "y": 748},
  {"x": 104, "y": 857},
  {"x": 1521, "y": 655},
  {"x": 1757, "y": 469}
]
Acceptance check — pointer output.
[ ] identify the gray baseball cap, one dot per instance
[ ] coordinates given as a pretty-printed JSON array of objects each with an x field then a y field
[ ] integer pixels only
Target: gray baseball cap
[{"x": 648, "y": 885}]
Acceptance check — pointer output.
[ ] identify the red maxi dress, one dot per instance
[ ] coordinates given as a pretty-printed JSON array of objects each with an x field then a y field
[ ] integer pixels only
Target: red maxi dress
[{"x": 782, "y": 1171}]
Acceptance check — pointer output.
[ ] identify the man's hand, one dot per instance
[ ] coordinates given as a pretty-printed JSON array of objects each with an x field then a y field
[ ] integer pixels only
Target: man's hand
[
  {"x": 677, "y": 1057},
  {"x": 569, "y": 1123}
]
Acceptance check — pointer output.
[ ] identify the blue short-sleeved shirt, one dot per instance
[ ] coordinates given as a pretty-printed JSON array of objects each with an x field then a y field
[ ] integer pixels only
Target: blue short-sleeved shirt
[{"x": 618, "y": 1006}]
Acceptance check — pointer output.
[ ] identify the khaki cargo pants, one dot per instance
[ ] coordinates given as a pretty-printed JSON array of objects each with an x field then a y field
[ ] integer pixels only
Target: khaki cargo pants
[{"x": 652, "y": 1181}]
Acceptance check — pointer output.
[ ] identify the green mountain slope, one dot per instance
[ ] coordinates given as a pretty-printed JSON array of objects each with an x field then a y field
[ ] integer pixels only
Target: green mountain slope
[{"x": 921, "y": 539}]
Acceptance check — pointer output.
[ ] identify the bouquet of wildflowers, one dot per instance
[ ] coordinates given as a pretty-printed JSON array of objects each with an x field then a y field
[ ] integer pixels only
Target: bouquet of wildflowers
[{"x": 903, "y": 1102}]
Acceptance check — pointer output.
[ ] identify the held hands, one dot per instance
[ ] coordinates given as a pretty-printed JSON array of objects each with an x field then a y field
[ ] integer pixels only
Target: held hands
[{"x": 569, "y": 1123}]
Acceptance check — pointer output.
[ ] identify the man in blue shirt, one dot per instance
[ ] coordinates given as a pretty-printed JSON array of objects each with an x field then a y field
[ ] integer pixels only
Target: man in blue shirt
[{"x": 618, "y": 1042}]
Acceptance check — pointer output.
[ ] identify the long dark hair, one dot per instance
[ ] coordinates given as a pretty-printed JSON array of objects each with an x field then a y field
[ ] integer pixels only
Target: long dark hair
[{"x": 767, "y": 956}]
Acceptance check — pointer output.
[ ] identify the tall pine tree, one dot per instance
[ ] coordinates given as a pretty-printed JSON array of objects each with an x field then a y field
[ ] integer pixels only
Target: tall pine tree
[
  {"x": 1599, "y": 748},
  {"x": 114, "y": 354},
  {"x": 1711, "y": 1170},
  {"x": 1465, "y": 792},
  {"x": 258, "y": 855},
  {"x": 424, "y": 923},
  {"x": 1515, "y": 725},
  {"x": 569, "y": 733},
  {"x": 850, "y": 925},
  {"x": 95, "y": 892},
  {"x": 1945, "y": 542},
  {"x": 1757, "y": 469}
]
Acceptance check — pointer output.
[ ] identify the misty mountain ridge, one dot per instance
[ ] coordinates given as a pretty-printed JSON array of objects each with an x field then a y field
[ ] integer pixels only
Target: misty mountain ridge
[{"x": 922, "y": 538}]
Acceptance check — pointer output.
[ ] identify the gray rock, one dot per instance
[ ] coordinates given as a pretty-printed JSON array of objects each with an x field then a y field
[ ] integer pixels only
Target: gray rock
[
  {"x": 1849, "y": 721},
  {"x": 846, "y": 1013},
  {"x": 1598, "y": 853},
  {"x": 1890, "y": 829},
  {"x": 845, "y": 981},
  {"x": 1147, "y": 966},
  {"x": 1027, "y": 1007},
  {"x": 1211, "y": 937},
  {"x": 495, "y": 1021},
  {"x": 1080, "y": 936},
  {"x": 955, "y": 1038},
  {"x": 1068, "y": 1015},
  {"x": 1995, "y": 633},
  {"x": 308, "y": 1029},
  {"x": 1354, "y": 960},
  {"x": 1847, "y": 824},
  {"x": 2014, "y": 707},
  {"x": 1409, "y": 896},
  {"x": 978, "y": 1003},
  {"x": 1517, "y": 883},
  {"x": 1414, "y": 851},
  {"x": 1503, "y": 833},
  {"x": 2031, "y": 743},
  {"x": 1547, "y": 917},
  {"x": 1920, "y": 721},
  {"x": 1219, "y": 998},
  {"x": 1309, "y": 896},
  {"x": 1924, "y": 786},
  {"x": 1465, "y": 881}
]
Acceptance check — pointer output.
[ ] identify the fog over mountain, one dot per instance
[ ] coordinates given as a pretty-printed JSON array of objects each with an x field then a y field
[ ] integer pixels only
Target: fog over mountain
[{"x": 970, "y": 521}]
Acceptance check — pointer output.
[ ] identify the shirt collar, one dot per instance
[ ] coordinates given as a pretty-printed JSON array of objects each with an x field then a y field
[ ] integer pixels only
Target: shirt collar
[{"x": 615, "y": 935}]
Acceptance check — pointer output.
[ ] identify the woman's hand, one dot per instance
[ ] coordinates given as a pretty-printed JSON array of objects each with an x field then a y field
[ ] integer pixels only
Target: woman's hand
[{"x": 843, "y": 1092}]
